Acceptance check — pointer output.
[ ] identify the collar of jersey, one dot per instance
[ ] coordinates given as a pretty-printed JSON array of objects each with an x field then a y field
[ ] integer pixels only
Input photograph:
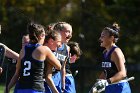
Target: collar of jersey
[{"x": 61, "y": 48}]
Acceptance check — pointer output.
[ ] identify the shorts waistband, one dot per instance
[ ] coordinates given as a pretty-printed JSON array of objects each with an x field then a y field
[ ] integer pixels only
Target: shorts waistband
[
  {"x": 68, "y": 75},
  {"x": 121, "y": 81}
]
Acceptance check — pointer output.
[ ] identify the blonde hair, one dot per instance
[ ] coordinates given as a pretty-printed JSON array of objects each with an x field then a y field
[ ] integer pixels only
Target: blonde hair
[{"x": 59, "y": 26}]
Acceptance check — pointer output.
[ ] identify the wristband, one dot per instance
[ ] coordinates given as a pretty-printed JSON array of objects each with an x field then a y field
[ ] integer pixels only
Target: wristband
[{"x": 109, "y": 81}]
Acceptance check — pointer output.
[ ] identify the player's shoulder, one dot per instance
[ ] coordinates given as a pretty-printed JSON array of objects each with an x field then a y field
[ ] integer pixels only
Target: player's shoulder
[
  {"x": 43, "y": 48},
  {"x": 117, "y": 51},
  {"x": 68, "y": 47}
]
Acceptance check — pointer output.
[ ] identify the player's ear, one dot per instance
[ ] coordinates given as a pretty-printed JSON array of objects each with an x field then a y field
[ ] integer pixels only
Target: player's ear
[
  {"x": 112, "y": 38},
  {"x": 42, "y": 35}
]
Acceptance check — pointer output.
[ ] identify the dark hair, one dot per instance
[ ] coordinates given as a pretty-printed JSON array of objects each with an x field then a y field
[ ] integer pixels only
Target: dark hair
[
  {"x": 74, "y": 48},
  {"x": 34, "y": 31},
  {"x": 50, "y": 26},
  {"x": 113, "y": 31},
  {"x": 59, "y": 26},
  {"x": 52, "y": 34}
]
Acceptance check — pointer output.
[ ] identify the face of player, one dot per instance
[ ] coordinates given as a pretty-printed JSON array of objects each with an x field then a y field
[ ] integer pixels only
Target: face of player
[
  {"x": 66, "y": 34},
  {"x": 25, "y": 40},
  {"x": 54, "y": 44},
  {"x": 73, "y": 58},
  {"x": 105, "y": 39}
]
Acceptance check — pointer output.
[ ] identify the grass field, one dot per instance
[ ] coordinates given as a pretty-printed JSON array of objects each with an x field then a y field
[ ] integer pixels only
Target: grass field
[{"x": 2, "y": 89}]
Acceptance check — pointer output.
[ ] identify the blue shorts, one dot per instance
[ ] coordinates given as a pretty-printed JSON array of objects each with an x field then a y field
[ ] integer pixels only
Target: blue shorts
[
  {"x": 28, "y": 91},
  {"x": 47, "y": 88},
  {"x": 16, "y": 90},
  {"x": 69, "y": 84},
  {"x": 118, "y": 88},
  {"x": 57, "y": 81}
]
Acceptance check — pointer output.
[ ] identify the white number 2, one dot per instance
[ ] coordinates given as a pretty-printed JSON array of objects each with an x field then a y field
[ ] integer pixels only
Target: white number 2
[{"x": 27, "y": 68}]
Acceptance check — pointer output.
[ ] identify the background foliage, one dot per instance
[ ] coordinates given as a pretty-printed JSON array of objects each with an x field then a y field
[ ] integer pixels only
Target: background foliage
[{"x": 88, "y": 18}]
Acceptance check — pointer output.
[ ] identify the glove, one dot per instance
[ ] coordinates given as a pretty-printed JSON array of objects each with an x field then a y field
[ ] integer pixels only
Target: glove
[{"x": 101, "y": 84}]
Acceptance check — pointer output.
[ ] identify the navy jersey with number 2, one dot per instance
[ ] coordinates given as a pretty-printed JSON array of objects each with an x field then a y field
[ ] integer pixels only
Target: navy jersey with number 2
[{"x": 31, "y": 73}]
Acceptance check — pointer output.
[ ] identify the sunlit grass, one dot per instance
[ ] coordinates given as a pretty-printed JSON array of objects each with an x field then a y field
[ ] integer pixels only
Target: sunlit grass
[{"x": 2, "y": 87}]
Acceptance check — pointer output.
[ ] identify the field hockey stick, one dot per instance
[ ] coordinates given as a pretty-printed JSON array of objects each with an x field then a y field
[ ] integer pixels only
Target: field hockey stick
[
  {"x": 75, "y": 73},
  {"x": 0, "y": 29},
  {"x": 94, "y": 88}
]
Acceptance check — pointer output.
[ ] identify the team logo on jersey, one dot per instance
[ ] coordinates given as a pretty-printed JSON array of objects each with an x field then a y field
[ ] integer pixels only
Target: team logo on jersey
[
  {"x": 106, "y": 64},
  {"x": 60, "y": 57}
]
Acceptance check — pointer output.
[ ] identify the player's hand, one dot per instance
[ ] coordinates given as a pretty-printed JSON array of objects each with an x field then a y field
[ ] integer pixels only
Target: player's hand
[{"x": 101, "y": 84}]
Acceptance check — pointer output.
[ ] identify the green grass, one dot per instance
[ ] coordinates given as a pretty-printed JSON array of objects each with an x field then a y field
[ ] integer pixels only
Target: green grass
[{"x": 2, "y": 87}]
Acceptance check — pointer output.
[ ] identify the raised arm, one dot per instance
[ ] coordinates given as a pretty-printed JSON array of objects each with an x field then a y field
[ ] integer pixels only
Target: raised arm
[{"x": 10, "y": 53}]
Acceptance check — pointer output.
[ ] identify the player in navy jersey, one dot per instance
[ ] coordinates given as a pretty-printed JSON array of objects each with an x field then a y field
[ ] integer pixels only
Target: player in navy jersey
[
  {"x": 30, "y": 65},
  {"x": 113, "y": 62}
]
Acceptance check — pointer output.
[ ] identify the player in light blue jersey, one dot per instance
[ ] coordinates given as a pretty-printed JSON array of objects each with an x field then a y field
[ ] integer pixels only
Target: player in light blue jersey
[{"x": 52, "y": 40}]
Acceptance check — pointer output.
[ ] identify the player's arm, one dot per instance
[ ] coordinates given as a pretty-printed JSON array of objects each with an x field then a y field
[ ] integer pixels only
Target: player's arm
[
  {"x": 49, "y": 78},
  {"x": 16, "y": 75},
  {"x": 102, "y": 76},
  {"x": 10, "y": 53},
  {"x": 63, "y": 69},
  {"x": 63, "y": 74},
  {"x": 118, "y": 57},
  {"x": 52, "y": 59}
]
